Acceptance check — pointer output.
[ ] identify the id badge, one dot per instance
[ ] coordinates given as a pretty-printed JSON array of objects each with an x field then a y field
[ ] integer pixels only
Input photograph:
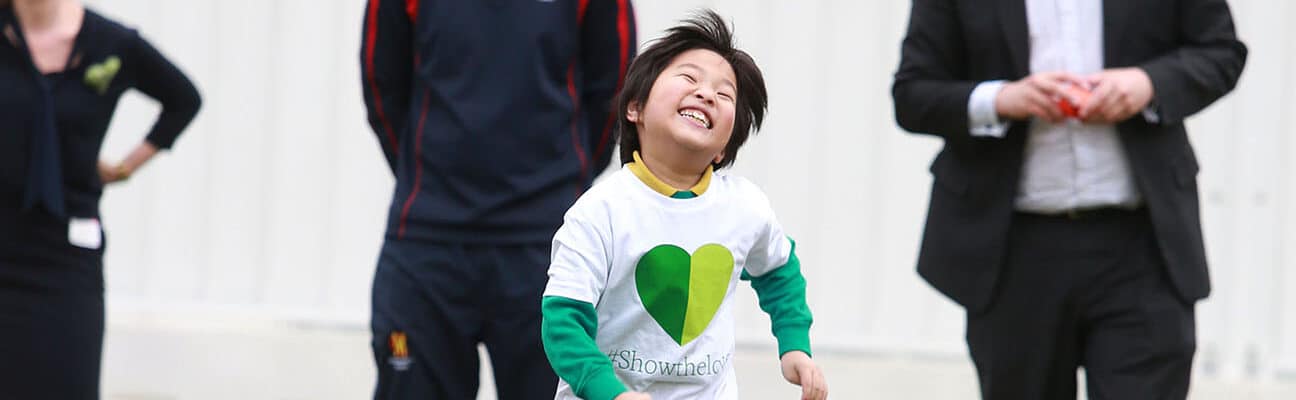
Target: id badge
[{"x": 85, "y": 233}]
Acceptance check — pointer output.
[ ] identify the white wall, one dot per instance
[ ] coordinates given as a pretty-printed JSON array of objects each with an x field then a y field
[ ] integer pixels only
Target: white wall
[{"x": 272, "y": 204}]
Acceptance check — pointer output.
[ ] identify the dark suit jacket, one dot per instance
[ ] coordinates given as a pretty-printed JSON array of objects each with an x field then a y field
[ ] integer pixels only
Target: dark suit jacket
[{"x": 1187, "y": 47}]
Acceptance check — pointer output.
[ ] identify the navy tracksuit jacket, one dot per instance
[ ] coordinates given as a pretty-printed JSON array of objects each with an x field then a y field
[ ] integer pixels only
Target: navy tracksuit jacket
[{"x": 492, "y": 129}]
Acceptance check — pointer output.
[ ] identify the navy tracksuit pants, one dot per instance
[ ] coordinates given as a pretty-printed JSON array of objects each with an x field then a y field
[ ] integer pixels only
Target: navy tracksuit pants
[{"x": 433, "y": 303}]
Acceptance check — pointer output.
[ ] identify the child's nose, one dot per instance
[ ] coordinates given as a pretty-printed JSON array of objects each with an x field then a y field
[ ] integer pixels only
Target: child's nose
[{"x": 704, "y": 95}]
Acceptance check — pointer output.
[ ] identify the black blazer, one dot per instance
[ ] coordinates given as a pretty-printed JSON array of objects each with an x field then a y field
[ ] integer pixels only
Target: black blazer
[{"x": 1187, "y": 47}]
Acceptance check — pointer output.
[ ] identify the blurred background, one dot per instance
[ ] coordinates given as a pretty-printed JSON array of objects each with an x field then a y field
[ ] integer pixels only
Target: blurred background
[{"x": 239, "y": 265}]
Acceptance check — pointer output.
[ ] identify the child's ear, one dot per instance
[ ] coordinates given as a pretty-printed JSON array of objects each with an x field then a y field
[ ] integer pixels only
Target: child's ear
[
  {"x": 632, "y": 112},
  {"x": 718, "y": 158}
]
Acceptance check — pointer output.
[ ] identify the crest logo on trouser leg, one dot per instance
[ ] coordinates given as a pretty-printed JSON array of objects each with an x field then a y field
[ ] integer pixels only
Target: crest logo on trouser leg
[{"x": 400, "y": 351}]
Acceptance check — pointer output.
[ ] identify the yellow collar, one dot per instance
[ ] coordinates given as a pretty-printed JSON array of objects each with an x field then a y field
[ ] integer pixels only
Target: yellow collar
[{"x": 639, "y": 170}]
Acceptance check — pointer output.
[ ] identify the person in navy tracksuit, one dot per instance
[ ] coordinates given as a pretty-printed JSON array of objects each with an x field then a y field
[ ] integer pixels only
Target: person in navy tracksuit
[
  {"x": 62, "y": 70},
  {"x": 494, "y": 116}
]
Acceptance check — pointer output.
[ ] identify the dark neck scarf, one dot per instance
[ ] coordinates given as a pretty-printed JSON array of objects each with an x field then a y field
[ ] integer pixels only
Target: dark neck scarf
[{"x": 44, "y": 186}]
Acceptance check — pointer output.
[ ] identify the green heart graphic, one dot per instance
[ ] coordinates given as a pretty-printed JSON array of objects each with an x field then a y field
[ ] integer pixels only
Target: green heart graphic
[{"x": 684, "y": 292}]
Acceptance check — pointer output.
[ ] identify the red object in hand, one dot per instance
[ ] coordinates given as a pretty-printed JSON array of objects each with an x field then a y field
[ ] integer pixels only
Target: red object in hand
[{"x": 1073, "y": 109}]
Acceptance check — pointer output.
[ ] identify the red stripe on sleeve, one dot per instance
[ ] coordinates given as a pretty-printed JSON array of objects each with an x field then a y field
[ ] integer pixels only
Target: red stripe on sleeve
[
  {"x": 580, "y": 11},
  {"x": 411, "y": 9},
  {"x": 371, "y": 39},
  {"x": 418, "y": 166},
  {"x": 575, "y": 127},
  {"x": 623, "y": 33}
]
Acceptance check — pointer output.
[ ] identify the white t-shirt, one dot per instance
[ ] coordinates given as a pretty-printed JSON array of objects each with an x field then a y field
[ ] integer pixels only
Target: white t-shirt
[{"x": 660, "y": 273}]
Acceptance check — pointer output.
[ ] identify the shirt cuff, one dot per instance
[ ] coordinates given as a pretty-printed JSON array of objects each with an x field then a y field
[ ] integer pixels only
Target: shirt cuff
[{"x": 982, "y": 118}]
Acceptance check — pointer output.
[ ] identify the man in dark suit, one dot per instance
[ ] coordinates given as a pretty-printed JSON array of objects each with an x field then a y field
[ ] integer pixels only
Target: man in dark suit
[{"x": 1071, "y": 240}]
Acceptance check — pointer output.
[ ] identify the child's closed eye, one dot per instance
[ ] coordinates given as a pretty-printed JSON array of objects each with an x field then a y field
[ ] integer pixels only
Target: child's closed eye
[{"x": 688, "y": 77}]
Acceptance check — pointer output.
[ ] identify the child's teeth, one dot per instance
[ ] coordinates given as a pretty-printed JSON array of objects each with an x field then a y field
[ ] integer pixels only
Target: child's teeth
[{"x": 697, "y": 116}]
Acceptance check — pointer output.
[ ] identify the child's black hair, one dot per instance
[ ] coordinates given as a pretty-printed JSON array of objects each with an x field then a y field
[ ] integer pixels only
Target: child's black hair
[{"x": 706, "y": 30}]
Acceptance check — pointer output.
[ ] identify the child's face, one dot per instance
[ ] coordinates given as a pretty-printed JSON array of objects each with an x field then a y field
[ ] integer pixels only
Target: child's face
[{"x": 690, "y": 107}]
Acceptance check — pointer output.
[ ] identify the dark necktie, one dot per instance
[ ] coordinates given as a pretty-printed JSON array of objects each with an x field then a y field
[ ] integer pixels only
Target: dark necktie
[
  {"x": 45, "y": 166},
  {"x": 44, "y": 186}
]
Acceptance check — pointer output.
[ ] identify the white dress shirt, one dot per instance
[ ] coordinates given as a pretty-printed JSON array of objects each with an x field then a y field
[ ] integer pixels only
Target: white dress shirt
[{"x": 1069, "y": 165}]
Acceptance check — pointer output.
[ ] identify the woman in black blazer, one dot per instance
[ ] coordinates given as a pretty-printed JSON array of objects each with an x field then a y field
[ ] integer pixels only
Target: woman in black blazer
[{"x": 62, "y": 70}]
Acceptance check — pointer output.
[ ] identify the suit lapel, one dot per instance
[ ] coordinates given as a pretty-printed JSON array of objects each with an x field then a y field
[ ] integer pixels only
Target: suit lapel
[
  {"x": 1113, "y": 13},
  {"x": 1012, "y": 17}
]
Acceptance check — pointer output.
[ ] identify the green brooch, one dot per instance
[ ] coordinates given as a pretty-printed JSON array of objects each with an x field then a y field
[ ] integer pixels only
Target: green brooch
[{"x": 100, "y": 75}]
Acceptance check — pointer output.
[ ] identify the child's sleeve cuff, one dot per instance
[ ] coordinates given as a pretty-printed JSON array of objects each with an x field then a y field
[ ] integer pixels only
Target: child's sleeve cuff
[
  {"x": 603, "y": 387},
  {"x": 792, "y": 338}
]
